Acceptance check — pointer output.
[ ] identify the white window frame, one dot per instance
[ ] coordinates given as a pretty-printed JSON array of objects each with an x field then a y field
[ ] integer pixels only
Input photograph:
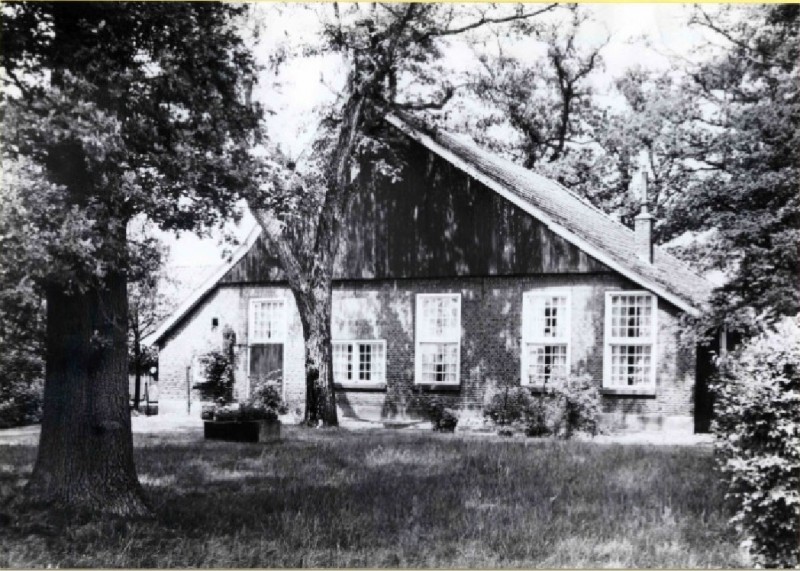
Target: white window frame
[
  {"x": 423, "y": 337},
  {"x": 251, "y": 336},
  {"x": 355, "y": 382},
  {"x": 609, "y": 342},
  {"x": 531, "y": 302}
]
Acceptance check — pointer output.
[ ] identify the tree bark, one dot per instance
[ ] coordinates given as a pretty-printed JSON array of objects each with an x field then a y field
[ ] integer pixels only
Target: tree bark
[
  {"x": 85, "y": 458},
  {"x": 315, "y": 316}
]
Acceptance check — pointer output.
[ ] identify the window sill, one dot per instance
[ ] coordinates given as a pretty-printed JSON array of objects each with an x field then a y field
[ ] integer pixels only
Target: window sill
[
  {"x": 439, "y": 386},
  {"x": 362, "y": 386},
  {"x": 630, "y": 392}
]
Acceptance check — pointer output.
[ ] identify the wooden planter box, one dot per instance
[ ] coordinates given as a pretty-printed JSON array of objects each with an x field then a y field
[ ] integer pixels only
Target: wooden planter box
[{"x": 244, "y": 431}]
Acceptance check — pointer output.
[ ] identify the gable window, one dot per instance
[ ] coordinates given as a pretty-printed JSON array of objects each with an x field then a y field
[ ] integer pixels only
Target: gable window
[
  {"x": 545, "y": 336},
  {"x": 630, "y": 341},
  {"x": 438, "y": 339},
  {"x": 359, "y": 356}
]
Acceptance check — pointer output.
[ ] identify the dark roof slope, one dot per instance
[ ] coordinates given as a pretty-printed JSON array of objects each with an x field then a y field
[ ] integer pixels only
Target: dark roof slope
[{"x": 587, "y": 226}]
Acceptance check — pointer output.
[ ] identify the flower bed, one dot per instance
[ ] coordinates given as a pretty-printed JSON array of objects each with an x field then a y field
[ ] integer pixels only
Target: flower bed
[{"x": 241, "y": 423}]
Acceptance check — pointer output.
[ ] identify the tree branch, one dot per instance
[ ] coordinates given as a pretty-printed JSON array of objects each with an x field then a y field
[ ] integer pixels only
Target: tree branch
[
  {"x": 484, "y": 21},
  {"x": 447, "y": 96}
]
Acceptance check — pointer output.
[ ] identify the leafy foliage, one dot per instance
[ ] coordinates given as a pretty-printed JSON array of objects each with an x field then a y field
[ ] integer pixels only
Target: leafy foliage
[
  {"x": 21, "y": 401},
  {"x": 747, "y": 200},
  {"x": 757, "y": 429},
  {"x": 241, "y": 412},
  {"x": 508, "y": 406},
  {"x": 115, "y": 110},
  {"x": 268, "y": 395},
  {"x": 218, "y": 367},
  {"x": 435, "y": 409},
  {"x": 561, "y": 408}
]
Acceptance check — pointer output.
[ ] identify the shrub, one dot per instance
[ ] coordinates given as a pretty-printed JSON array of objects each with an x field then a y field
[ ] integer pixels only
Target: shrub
[
  {"x": 444, "y": 419},
  {"x": 579, "y": 403},
  {"x": 564, "y": 407},
  {"x": 543, "y": 418},
  {"x": 21, "y": 402},
  {"x": 267, "y": 394},
  {"x": 509, "y": 406},
  {"x": 218, "y": 372},
  {"x": 757, "y": 440}
]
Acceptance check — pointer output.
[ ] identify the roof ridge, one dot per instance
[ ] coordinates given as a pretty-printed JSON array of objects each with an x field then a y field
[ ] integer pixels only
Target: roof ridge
[
  {"x": 444, "y": 132},
  {"x": 575, "y": 195}
]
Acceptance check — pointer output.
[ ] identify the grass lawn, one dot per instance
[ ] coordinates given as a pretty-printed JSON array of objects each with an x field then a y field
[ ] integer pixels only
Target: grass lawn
[{"x": 395, "y": 499}]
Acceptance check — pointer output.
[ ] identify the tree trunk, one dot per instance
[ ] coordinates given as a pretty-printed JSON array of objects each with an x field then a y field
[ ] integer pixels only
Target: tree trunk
[
  {"x": 137, "y": 363},
  {"x": 85, "y": 458},
  {"x": 315, "y": 315}
]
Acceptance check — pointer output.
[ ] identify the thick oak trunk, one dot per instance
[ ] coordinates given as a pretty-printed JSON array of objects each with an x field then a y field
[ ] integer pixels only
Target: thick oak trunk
[
  {"x": 315, "y": 316},
  {"x": 85, "y": 458}
]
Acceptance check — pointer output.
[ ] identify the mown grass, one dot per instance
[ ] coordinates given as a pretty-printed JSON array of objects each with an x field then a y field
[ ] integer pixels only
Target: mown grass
[{"x": 397, "y": 499}]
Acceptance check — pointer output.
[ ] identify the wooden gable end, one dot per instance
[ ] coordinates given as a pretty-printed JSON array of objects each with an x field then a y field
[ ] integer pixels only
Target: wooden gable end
[{"x": 434, "y": 221}]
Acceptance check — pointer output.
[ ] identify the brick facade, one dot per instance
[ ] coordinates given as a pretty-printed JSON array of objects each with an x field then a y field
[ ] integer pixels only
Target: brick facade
[{"x": 491, "y": 317}]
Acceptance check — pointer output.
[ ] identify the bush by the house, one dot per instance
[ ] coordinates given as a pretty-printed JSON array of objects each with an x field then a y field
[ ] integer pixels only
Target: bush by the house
[
  {"x": 561, "y": 408},
  {"x": 508, "y": 406},
  {"x": 267, "y": 394},
  {"x": 442, "y": 418},
  {"x": 757, "y": 430},
  {"x": 544, "y": 417},
  {"x": 579, "y": 404},
  {"x": 218, "y": 374},
  {"x": 21, "y": 402}
]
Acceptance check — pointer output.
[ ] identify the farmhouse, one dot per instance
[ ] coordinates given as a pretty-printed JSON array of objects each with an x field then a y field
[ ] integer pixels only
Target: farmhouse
[{"x": 465, "y": 274}]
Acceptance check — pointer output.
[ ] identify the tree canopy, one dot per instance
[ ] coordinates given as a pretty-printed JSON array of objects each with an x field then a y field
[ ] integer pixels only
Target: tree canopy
[
  {"x": 111, "y": 111},
  {"x": 144, "y": 102}
]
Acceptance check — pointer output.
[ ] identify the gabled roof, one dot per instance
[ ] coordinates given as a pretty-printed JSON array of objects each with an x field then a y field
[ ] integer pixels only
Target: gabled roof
[
  {"x": 563, "y": 212},
  {"x": 569, "y": 216},
  {"x": 205, "y": 288}
]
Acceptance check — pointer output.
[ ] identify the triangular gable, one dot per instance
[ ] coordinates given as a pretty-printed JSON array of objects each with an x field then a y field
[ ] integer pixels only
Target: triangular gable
[
  {"x": 568, "y": 216},
  {"x": 563, "y": 213},
  {"x": 203, "y": 291}
]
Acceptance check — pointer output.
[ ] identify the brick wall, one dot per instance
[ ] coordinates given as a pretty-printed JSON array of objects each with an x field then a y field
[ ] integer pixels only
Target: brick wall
[
  {"x": 491, "y": 315},
  {"x": 197, "y": 335}
]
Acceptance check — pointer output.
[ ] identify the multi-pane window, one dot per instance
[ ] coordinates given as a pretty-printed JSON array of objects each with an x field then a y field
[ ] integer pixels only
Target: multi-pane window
[
  {"x": 545, "y": 336},
  {"x": 438, "y": 339},
  {"x": 267, "y": 321},
  {"x": 358, "y": 358},
  {"x": 353, "y": 318},
  {"x": 630, "y": 340},
  {"x": 359, "y": 361}
]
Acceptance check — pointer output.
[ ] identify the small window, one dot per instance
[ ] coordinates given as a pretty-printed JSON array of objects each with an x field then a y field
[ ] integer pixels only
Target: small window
[
  {"x": 545, "y": 336},
  {"x": 630, "y": 332},
  {"x": 359, "y": 361},
  {"x": 267, "y": 321},
  {"x": 438, "y": 339}
]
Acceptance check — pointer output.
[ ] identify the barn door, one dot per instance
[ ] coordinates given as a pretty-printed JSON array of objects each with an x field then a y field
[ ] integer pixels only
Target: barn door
[{"x": 266, "y": 362}]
